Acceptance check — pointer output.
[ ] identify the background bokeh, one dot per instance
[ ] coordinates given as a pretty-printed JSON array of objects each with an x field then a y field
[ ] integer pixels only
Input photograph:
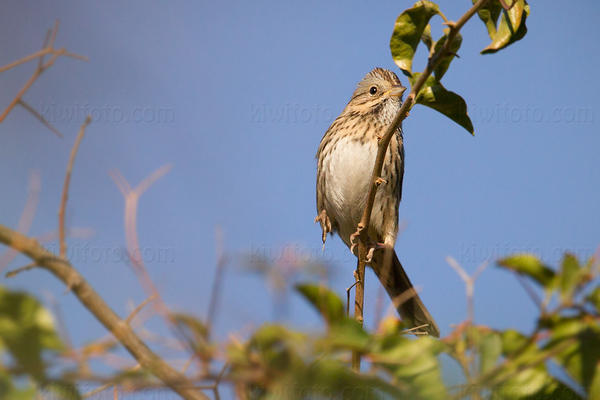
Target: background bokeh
[{"x": 236, "y": 96}]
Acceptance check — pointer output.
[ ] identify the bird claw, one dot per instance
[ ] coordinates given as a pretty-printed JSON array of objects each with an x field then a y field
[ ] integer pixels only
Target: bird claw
[
  {"x": 353, "y": 241},
  {"x": 379, "y": 181},
  {"x": 371, "y": 247},
  {"x": 325, "y": 222}
]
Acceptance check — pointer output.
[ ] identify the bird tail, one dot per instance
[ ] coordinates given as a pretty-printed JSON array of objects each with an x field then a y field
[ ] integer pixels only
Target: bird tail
[{"x": 392, "y": 276}]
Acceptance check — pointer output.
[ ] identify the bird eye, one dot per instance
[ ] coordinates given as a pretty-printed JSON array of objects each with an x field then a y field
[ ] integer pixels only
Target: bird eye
[{"x": 373, "y": 90}]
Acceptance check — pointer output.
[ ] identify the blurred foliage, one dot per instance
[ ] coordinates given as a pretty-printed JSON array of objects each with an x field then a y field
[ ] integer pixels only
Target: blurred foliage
[
  {"x": 28, "y": 342},
  {"x": 560, "y": 359}
]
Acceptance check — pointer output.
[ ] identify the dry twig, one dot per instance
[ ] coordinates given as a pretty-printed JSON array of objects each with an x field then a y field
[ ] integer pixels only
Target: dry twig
[
  {"x": 65, "y": 192},
  {"x": 41, "y": 68}
]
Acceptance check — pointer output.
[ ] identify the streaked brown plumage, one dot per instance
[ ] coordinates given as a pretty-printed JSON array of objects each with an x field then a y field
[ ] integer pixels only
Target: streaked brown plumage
[{"x": 346, "y": 157}]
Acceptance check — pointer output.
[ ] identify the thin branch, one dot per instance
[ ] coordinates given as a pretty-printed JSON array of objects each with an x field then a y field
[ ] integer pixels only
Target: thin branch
[
  {"x": 38, "y": 54},
  {"x": 359, "y": 298},
  {"x": 49, "y": 33},
  {"x": 217, "y": 282},
  {"x": 132, "y": 196},
  {"x": 86, "y": 294},
  {"x": 348, "y": 289},
  {"x": 40, "y": 117},
  {"x": 65, "y": 192},
  {"x": 469, "y": 283},
  {"x": 136, "y": 310},
  {"x": 106, "y": 385},
  {"x": 16, "y": 271},
  {"x": 27, "y": 215},
  {"x": 531, "y": 293},
  {"x": 41, "y": 67}
]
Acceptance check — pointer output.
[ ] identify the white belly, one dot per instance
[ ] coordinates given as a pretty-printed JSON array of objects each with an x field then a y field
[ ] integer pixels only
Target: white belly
[{"x": 348, "y": 175}]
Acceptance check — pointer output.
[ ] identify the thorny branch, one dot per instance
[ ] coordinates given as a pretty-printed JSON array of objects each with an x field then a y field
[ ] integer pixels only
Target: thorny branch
[{"x": 41, "y": 68}]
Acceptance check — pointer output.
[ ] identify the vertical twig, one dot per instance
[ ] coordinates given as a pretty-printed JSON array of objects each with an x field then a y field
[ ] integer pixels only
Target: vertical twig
[
  {"x": 65, "y": 191},
  {"x": 469, "y": 283},
  {"x": 26, "y": 218},
  {"x": 216, "y": 287},
  {"x": 359, "y": 296}
]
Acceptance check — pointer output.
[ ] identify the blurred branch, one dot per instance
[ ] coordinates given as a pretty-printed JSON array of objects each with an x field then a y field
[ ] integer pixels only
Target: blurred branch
[
  {"x": 65, "y": 272},
  {"x": 359, "y": 299},
  {"x": 132, "y": 196},
  {"x": 26, "y": 218},
  {"x": 42, "y": 66},
  {"x": 65, "y": 192},
  {"x": 469, "y": 283},
  {"x": 217, "y": 282},
  {"x": 40, "y": 117}
]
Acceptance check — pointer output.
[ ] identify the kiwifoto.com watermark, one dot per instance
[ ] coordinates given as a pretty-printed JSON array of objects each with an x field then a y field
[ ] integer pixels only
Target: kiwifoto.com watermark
[
  {"x": 518, "y": 113},
  {"x": 108, "y": 254},
  {"x": 500, "y": 113},
  {"x": 473, "y": 253},
  {"x": 291, "y": 113},
  {"x": 106, "y": 113}
]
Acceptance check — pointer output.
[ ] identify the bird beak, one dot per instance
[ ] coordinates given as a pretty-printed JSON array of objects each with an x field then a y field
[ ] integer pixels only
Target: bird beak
[{"x": 396, "y": 91}]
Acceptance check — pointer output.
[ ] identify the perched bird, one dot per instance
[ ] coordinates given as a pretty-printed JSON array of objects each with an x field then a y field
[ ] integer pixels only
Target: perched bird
[{"x": 346, "y": 157}]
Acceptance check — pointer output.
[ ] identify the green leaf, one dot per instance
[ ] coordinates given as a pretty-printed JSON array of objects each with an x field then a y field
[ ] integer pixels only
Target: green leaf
[
  {"x": 489, "y": 14},
  {"x": 582, "y": 356},
  {"x": 197, "y": 333},
  {"x": 27, "y": 331},
  {"x": 490, "y": 349},
  {"x": 414, "y": 363},
  {"x": 408, "y": 30},
  {"x": 426, "y": 37},
  {"x": 511, "y": 27},
  {"x": 324, "y": 300},
  {"x": 434, "y": 95},
  {"x": 531, "y": 266},
  {"x": 8, "y": 390},
  {"x": 594, "y": 390},
  {"x": 327, "y": 379},
  {"x": 527, "y": 383},
  {"x": 57, "y": 389},
  {"x": 276, "y": 346},
  {"x": 444, "y": 63},
  {"x": 594, "y": 298},
  {"x": 570, "y": 272},
  {"x": 513, "y": 343},
  {"x": 347, "y": 334}
]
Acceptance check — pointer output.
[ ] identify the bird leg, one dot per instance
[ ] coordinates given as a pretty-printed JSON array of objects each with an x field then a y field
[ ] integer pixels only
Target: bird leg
[
  {"x": 325, "y": 222},
  {"x": 371, "y": 246}
]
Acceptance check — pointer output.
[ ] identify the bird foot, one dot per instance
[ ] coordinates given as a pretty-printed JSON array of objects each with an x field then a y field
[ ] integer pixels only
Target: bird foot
[
  {"x": 371, "y": 247},
  {"x": 325, "y": 222}
]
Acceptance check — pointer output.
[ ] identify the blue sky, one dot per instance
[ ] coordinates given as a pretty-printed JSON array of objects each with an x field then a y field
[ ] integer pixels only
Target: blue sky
[{"x": 236, "y": 96}]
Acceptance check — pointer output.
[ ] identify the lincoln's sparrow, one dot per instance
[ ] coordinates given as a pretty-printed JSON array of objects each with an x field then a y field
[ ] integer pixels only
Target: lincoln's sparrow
[{"x": 346, "y": 157}]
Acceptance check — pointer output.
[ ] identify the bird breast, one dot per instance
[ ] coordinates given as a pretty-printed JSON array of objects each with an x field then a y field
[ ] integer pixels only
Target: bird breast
[{"x": 348, "y": 175}]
